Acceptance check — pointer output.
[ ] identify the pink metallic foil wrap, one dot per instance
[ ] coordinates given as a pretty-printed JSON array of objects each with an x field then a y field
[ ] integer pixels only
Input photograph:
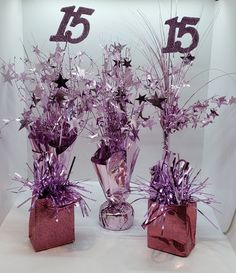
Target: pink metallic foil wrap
[
  {"x": 48, "y": 227},
  {"x": 116, "y": 216},
  {"x": 172, "y": 228},
  {"x": 114, "y": 178}
]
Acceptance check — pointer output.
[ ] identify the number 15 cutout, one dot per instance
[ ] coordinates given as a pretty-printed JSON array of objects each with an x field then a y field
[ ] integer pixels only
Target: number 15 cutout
[
  {"x": 176, "y": 46},
  {"x": 66, "y": 36}
]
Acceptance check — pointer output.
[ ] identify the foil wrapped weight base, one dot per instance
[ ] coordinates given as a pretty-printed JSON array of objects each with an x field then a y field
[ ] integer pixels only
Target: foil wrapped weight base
[
  {"x": 174, "y": 231},
  {"x": 114, "y": 177},
  {"x": 116, "y": 216}
]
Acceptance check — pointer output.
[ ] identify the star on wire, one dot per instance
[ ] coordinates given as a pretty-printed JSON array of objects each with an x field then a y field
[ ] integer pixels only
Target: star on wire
[
  {"x": 117, "y": 63},
  {"x": 214, "y": 113},
  {"x": 127, "y": 63},
  {"x": 61, "y": 82},
  {"x": 7, "y": 76},
  {"x": 36, "y": 50},
  {"x": 141, "y": 99},
  {"x": 156, "y": 101},
  {"x": 232, "y": 100}
]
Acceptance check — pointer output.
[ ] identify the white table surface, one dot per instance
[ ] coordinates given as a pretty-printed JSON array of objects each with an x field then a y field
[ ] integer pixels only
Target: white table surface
[{"x": 97, "y": 250}]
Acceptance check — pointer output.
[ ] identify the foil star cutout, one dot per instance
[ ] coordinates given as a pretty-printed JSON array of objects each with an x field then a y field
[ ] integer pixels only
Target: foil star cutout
[
  {"x": 214, "y": 113},
  {"x": 127, "y": 63},
  {"x": 36, "y": 50},
  {"x": 141, "y": 99},
  {"x": 117, "y": 63},
  {"x": 7, "y": 76},
  {"x": 61, "y": 82},
  {"x": 232, "y": 100},
  {"x": 156, "y": 101},
  {"x": 220, "y": 101}
]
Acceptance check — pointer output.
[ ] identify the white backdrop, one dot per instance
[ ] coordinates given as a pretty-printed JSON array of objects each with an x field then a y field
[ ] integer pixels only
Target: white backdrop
[
  {"x": 13, "y": 151},
  {"x": 219, "y": 146}
]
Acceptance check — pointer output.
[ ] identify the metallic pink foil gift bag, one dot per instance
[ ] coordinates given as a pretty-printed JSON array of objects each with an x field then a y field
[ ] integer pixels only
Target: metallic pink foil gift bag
[
  {"x": 48, "y": 227},
  {"x": 172, "y": 228}
]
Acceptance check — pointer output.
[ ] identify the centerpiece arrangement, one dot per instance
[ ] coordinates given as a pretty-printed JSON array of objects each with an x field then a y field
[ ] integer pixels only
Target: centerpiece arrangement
[
  {"x": 116, "y": 128},
  {"x": 174, "y": 189},
  {"x": 55, "y": 114}
]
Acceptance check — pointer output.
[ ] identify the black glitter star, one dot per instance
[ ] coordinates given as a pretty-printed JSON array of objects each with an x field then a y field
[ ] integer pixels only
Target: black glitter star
[
  {"x": 127, "y": 63},
  {"x": 61, "y": 82},
  {"x": 141, "y": 99},
  {"x": 188, "y": 59},
  {"x": 34, "y": 99},
  {"x": 214, "y": 113},
  {"x": 117, "y": 63},
  {"x": 156, "y": 101}
]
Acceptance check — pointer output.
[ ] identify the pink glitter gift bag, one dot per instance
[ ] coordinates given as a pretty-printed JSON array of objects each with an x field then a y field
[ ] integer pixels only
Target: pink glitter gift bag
[
  {"x": 172, "y": 228},
  {"x": 50, "y": 227}
]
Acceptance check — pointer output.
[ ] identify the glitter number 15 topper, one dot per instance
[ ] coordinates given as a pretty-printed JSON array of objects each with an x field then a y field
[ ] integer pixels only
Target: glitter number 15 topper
[
  {"x": 176, "y": 46},
  {"x": 66, "y": 36}
]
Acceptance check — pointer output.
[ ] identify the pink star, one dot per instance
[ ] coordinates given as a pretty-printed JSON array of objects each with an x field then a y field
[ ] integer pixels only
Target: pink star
[
  {"x": 7, "y": 76},
  {"x": 23, "y": 77},
  {"x": 220, "y": 101},
  {"x": 36, "y": 50},
  {"x": 232, "y": 100}
]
